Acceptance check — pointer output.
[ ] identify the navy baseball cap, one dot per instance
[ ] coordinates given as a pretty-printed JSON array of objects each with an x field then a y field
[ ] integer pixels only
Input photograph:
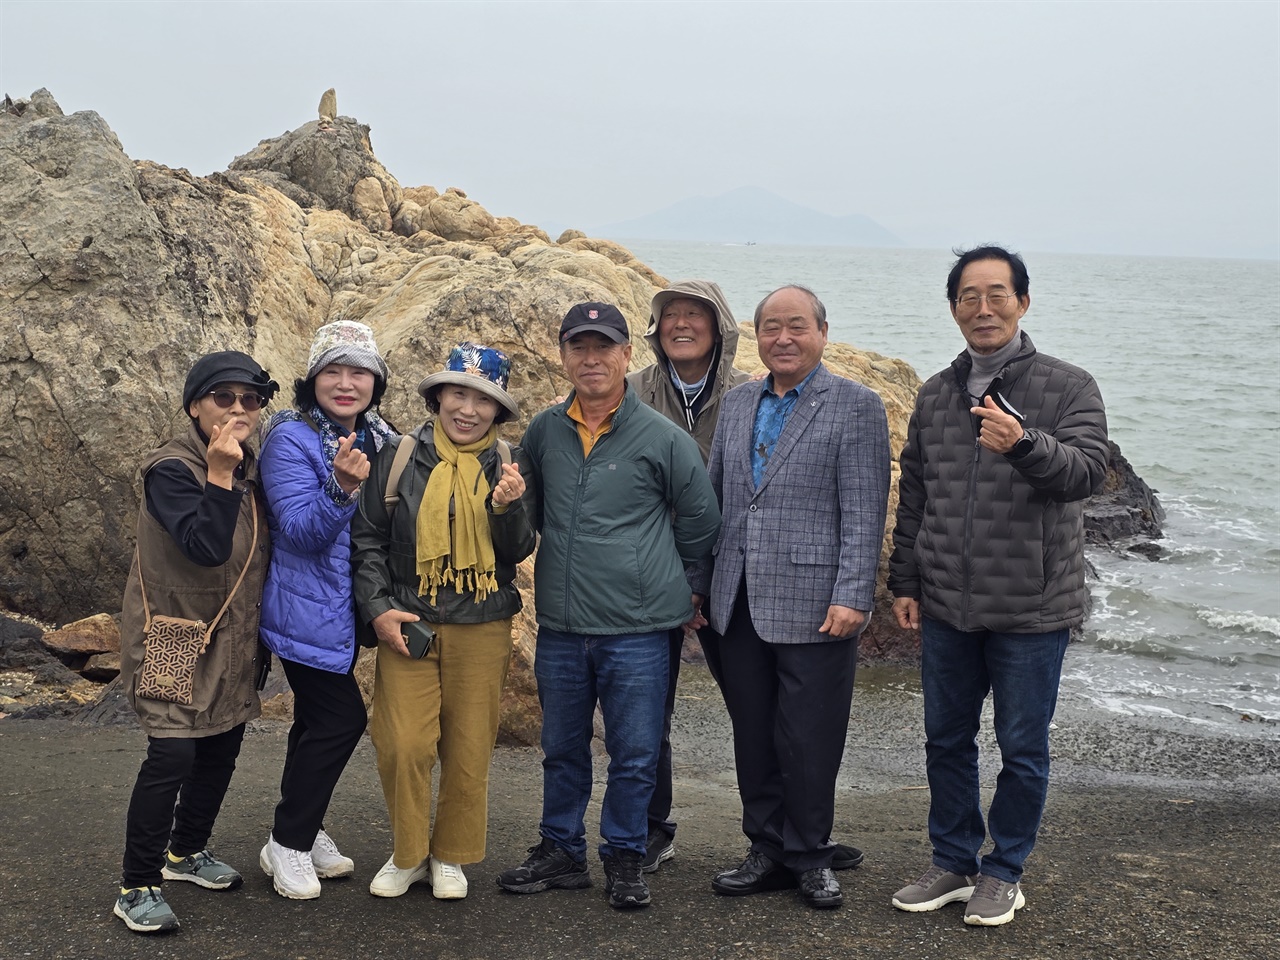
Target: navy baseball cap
[{"x": 595, "y": 317}]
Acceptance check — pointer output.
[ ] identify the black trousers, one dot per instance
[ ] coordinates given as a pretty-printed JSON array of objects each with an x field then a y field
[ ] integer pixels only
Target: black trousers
[
  {"x": 329, "y": 718},
  {"x": 789, "y": 704},
  {"x": 660, "y": 802},
  {"x": 192, "y": 773}
]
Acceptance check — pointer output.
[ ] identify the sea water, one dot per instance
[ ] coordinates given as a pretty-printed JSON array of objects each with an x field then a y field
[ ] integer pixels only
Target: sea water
[{"x": 1187, "y": 355}]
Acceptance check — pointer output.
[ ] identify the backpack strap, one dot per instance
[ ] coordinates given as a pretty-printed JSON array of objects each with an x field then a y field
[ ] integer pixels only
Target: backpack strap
[
  {"x": 391, "y": 496},
  {"x": 404, "y": 450}
]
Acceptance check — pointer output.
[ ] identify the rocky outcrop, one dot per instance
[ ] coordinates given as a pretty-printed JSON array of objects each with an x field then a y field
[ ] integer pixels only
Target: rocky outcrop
[
  {"x": 1126, "y": 515},
  {"x": 116, "y": 274}
]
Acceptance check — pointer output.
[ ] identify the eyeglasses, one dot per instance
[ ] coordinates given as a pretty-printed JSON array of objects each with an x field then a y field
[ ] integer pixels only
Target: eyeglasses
[
  {"x": 225, "y": 398},
  {"x": 995, "y": 301}
]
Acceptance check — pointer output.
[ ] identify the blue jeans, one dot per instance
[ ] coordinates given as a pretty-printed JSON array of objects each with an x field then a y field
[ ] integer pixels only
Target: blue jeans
[
  {"x": 627, "y": 675},
  {"x": 1021, "y": 671}
]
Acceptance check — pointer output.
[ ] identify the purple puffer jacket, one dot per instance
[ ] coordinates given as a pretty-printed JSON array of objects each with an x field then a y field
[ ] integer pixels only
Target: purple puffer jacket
[{"x": 308, "y": 610}]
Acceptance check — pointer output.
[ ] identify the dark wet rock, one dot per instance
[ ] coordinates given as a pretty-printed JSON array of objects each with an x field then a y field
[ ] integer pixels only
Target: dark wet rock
[
  {"x": 1126, "y": 510},
  {"x": 26, "y": 655},
  {"x": 11, "y": 630},
  {"x": 101, "y": 668},
  {"x": 111, "y": 707}
]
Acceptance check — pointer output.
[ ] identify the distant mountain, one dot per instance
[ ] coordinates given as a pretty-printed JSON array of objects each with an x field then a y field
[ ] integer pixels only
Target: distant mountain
[{"x": 750, "y": 214}]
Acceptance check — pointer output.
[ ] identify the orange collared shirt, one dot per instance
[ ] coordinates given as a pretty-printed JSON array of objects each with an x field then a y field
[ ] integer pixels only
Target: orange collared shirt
[{"x": 588, "y": 438}]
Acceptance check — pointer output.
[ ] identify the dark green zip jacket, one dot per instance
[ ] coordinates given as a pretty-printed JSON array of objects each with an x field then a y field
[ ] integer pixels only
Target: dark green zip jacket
[{"x": 619, "y": 526}]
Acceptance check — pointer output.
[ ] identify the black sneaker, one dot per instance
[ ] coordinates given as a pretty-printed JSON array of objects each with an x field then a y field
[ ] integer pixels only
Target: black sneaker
[
  {"x": 659, "y": 848},
  {"x": 624, "y": 880},
  {"x": 548, "y": 865},
  {"x": 844, "y": 857}
]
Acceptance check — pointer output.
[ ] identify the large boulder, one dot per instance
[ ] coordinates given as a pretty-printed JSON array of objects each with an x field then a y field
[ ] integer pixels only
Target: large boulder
[
  {"x": 323, "y": 165},
  {"x": 115, "y": 275}
]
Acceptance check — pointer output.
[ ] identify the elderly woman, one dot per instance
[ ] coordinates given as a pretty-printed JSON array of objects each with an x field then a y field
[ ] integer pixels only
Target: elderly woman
[
  {"x": 314, "y": 459},
  {"x": 189, "y": 652},
  {"x": 435, "y": 556}
]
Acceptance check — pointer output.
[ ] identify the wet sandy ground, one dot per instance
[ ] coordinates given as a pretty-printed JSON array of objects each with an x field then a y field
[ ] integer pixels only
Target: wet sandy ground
[{"x": 1159, "y": 841}]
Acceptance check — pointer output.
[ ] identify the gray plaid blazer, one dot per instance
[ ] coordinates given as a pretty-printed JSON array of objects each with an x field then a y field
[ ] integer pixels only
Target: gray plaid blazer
[{"x": 810, "y": 534}]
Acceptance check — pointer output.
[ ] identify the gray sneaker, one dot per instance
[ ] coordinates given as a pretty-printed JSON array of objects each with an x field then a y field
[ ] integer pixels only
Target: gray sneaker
[
  {"x": 935, "y": 888},
  {"x": 993, "y": 902},
  {"x": 202, "y": 868},
  {"x": 143, "y": 910}
]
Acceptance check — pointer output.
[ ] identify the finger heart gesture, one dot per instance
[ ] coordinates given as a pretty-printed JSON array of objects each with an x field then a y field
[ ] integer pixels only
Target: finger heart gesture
[{"x": 511, "y": 485}]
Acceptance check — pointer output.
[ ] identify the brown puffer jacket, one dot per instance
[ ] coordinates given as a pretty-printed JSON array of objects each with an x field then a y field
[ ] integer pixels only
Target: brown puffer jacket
[
  {"x": 985, "y": 541},
  {"x": 653, "y": 383},
  {"x": 224, "y": 695}
]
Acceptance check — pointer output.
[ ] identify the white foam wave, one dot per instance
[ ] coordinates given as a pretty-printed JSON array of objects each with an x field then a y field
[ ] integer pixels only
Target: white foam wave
[{"x": 1247, "y": 621}]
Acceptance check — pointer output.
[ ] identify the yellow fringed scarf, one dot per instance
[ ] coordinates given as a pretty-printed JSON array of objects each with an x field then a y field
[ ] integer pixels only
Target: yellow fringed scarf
[{"x": 457, "y": 550}]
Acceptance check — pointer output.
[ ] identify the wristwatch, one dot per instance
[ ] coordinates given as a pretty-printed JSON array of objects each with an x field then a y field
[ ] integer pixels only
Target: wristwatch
[{"x": 1024, "y": 445}]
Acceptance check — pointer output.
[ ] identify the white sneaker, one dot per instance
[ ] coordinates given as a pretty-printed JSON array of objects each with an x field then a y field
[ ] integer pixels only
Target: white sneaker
[
  {"x": 447, "y": 880},
  {"x": 328, "y": 860},
  {"x": 290, "y": 871},
  {"x": 391, "y": 881}
]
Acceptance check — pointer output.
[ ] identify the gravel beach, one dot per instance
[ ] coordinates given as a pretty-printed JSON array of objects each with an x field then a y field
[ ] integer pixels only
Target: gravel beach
[{"x": 1159, "y": 840}]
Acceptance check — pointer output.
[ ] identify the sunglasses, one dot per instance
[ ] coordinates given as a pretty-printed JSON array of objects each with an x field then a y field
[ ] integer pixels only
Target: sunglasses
[{"x": 225, "y": 398}]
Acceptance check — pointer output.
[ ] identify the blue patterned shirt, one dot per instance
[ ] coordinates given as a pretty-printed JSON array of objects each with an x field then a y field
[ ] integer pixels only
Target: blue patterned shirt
[{"x": 771, "y": 417}]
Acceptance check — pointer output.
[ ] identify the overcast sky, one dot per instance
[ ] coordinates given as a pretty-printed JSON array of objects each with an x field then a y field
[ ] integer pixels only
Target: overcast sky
[{"x": 1149, "y": 128}]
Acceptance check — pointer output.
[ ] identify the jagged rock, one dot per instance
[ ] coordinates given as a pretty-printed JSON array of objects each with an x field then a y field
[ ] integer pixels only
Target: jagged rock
[
  {"x": 570, "y": 234},
  {"x": 12, "y": 630},
  {"x": 102, "y": 668},
  {"x": 109, "y": 708},
  {"x": 1127, "y": 512},
  {"x": 92, "y": 635},
  {"x": 327, "y": 163},
  {"x": 41, "y": 104},
  {"x": 34, "y": 683}
]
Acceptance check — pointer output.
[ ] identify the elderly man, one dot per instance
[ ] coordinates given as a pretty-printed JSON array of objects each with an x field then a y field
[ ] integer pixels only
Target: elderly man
[
  {"x": 801, "y": 466},
  {"x": 988, "y": 563},
  {"x": 626, "y": 504},
  {"x": 695, "y": 339}
]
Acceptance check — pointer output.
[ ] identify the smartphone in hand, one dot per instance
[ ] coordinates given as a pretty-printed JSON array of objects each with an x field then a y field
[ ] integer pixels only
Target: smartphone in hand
[{"x": 418, "y": 637}]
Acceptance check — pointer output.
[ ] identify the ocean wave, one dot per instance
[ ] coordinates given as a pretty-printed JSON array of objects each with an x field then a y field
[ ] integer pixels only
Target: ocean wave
[{"x": 1246, "y": 621}]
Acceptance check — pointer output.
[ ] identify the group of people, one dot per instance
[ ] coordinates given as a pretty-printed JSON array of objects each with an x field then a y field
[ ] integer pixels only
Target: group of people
[{"x": 686, "y": 498}]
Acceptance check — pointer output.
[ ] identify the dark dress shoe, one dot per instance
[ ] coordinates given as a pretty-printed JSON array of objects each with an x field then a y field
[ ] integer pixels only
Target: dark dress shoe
[
  {"x": 820, "y": 888},
  {"x": 757, "y": 874},
  {"x": 844, "y": 857}
]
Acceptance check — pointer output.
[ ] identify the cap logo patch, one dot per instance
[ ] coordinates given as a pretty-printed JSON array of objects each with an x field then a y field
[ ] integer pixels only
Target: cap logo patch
[{"x": 593, "y": 314}]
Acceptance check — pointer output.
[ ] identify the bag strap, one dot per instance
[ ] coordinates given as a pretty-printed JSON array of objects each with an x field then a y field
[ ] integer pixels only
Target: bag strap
[
  {"x": 142, "y": 585},
  {"x": 253, "y": 545},
  {"x": 390, "y": 496},
  {"x": 309, "y": 420}
]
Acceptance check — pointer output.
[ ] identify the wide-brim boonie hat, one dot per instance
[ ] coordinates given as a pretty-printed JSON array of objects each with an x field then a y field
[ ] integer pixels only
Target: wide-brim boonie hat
[{"x": 479, "y": 367}]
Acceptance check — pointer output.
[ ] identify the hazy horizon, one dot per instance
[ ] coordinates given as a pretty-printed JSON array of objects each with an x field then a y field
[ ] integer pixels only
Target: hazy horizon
[{"x": 1125, "y": 128}]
